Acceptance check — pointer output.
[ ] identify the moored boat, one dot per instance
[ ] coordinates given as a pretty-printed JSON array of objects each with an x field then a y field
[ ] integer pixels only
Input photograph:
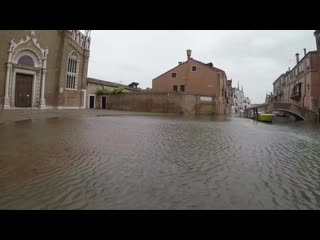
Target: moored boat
[{"x": 265, "y": 117}]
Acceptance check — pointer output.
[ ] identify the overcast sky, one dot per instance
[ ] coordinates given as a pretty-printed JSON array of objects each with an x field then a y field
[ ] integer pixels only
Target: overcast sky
[{"x": 254, "y": 58}]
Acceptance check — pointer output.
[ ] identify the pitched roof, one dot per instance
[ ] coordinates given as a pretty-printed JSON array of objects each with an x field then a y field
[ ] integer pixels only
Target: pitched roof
[
  {"x": 212, "y": 68},
  {"x": 207, "y": 65},
  {"x": 111, "y": 84},
  {"x": 170, "y": 70},
  {"x": 133, "y": 84}
]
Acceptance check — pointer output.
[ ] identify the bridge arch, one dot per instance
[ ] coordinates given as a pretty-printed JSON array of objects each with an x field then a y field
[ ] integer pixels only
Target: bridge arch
[
  {"x": 298, "y": 112},
  {"x": 297, "y": 116}
]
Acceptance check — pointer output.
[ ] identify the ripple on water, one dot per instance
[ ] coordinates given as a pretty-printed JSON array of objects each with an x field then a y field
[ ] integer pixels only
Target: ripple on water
[{"x": 131, "y": 162}]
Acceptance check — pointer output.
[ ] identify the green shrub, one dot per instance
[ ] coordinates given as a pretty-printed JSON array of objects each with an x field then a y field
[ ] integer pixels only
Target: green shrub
[
  {"x": 115, "y": 91},
  {"x": 103, "y": 92},
  {"x": 118, "y": 90}
]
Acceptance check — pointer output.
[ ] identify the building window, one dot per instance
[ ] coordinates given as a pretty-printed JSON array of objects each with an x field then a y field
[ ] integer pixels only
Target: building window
[
  {"x": 26, "y": 60},
  {"x": 297, "y": 88},
  {"x": 308, "y": 86},
  {"x": 182, "y": 88},
  {"x": 173, "y": 75},
  {"x": 175, "y": 88},
  {"x": 308, "y": 63},
  {"x": 72, "y": 71},
  {"x": 194, "y": 68},
  {"x": 296, "y": 92},
  {"x": 302, "y": 67}
]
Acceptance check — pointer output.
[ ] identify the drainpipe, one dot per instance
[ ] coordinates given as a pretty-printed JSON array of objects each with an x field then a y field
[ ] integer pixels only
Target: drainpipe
[{"x": 305, "y": 87}]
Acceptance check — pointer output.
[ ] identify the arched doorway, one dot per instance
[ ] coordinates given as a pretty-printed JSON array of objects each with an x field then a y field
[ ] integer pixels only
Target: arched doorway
[
  {"x": 23, "y": 93},
  {"x": 26, "y": 74}
]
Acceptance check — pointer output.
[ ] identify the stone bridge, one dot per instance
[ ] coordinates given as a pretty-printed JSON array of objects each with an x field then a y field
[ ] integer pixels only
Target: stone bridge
[{"x": 295, "y": 110}]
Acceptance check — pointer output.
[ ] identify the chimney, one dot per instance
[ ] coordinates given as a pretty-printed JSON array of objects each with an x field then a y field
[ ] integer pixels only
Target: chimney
[
  {"x": 317, "y": 36},
  {"x": 189, "y": 53},
  {"x": 289, "y": 69},
  {"x": 297, "y": 57},
  {"x": 305, "y": 51}
]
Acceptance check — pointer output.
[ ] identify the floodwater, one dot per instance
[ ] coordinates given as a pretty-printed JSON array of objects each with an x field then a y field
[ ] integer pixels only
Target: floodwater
[{"x": 159, "y": 162}]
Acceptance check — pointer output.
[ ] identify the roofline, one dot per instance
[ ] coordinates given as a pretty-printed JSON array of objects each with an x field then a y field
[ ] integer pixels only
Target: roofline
[
  {"x": 212, "y": 68},
  {"x": 170, "y": 70},
  {"x": 300, "y": 60},
  {"x": 110, "y": 84},
  {"x": 291, "y": 70}
]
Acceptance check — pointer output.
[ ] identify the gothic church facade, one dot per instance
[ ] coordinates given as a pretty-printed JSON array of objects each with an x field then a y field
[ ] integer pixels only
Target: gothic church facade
[{"x": 44, "y": 69}]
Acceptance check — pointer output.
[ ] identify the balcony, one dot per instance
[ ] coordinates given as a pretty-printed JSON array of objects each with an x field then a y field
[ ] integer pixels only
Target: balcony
[{"x": 295, "y": 95}]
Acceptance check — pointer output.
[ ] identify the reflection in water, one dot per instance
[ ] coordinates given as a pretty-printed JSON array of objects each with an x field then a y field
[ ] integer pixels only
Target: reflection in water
[{"x": 154, "y": 162}]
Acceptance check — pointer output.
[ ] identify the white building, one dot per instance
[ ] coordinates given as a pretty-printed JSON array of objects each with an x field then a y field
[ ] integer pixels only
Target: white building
[{"x": 239, "y": 102}]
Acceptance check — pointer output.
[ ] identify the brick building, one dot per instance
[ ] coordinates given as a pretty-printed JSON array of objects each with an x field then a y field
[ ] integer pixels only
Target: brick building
[
  {"x": 301, "y": 84},
  {"x": 195, "y": 77},
  {"x": 43, "y": 69}
]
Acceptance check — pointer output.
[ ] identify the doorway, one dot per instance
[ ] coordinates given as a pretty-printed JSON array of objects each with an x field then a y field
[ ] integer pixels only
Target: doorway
[
  {"x": 23, "y": 90},
  {"x": 104, "y": 102},
  {"x": 91, "y": 101}
]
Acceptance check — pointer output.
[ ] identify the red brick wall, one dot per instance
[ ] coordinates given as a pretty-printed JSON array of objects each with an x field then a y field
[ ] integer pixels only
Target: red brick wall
[{"x": 177, "y": 103}]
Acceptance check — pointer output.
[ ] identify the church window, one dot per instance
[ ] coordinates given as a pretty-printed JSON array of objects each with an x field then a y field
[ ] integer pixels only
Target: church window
[{"x": 72, "y": 71}]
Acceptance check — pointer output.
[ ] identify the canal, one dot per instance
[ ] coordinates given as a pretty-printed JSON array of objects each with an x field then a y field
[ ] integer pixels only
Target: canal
[{"x": 158, "y": 162}]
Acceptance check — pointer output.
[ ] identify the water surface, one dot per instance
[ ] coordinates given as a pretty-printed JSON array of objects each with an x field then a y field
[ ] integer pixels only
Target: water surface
[{"x": 158, "y": 162}]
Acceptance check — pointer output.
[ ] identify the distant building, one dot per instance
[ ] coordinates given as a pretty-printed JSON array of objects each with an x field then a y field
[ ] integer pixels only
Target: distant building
[
  {"x": 133, "y": 85},
  {"x": 246, "y": 102},
  {"x": 238, "y": 100},
  {"x": 278, "y": 88},
  {"x": 97, "y": 100},
  {"x": 300, "y": 85},
  {"x": 229, "y": 96},
  {"x": 269, "y": 97},
  {"x": 195, "y": 77}
]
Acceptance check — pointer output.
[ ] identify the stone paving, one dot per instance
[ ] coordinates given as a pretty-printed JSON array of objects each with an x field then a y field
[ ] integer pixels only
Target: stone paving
[{"x": 34, "y": 114}]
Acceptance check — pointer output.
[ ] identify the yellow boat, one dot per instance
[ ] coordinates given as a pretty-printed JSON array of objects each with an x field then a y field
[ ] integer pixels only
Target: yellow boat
[{"x": 265, "y": 117}]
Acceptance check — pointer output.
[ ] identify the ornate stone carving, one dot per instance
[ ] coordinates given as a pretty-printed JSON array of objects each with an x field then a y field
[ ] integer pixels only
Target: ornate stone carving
[
  {"x": 45, "y": 53},
  {"x": 81, "y": 39},
  {"x": 34, "y": 40},
  {"x": 32, "y": 34},
  {"x": 12, "y": 45}
]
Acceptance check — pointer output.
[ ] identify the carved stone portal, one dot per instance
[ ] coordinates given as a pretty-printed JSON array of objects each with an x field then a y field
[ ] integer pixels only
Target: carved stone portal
[{"x": 31, "y": 48}]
